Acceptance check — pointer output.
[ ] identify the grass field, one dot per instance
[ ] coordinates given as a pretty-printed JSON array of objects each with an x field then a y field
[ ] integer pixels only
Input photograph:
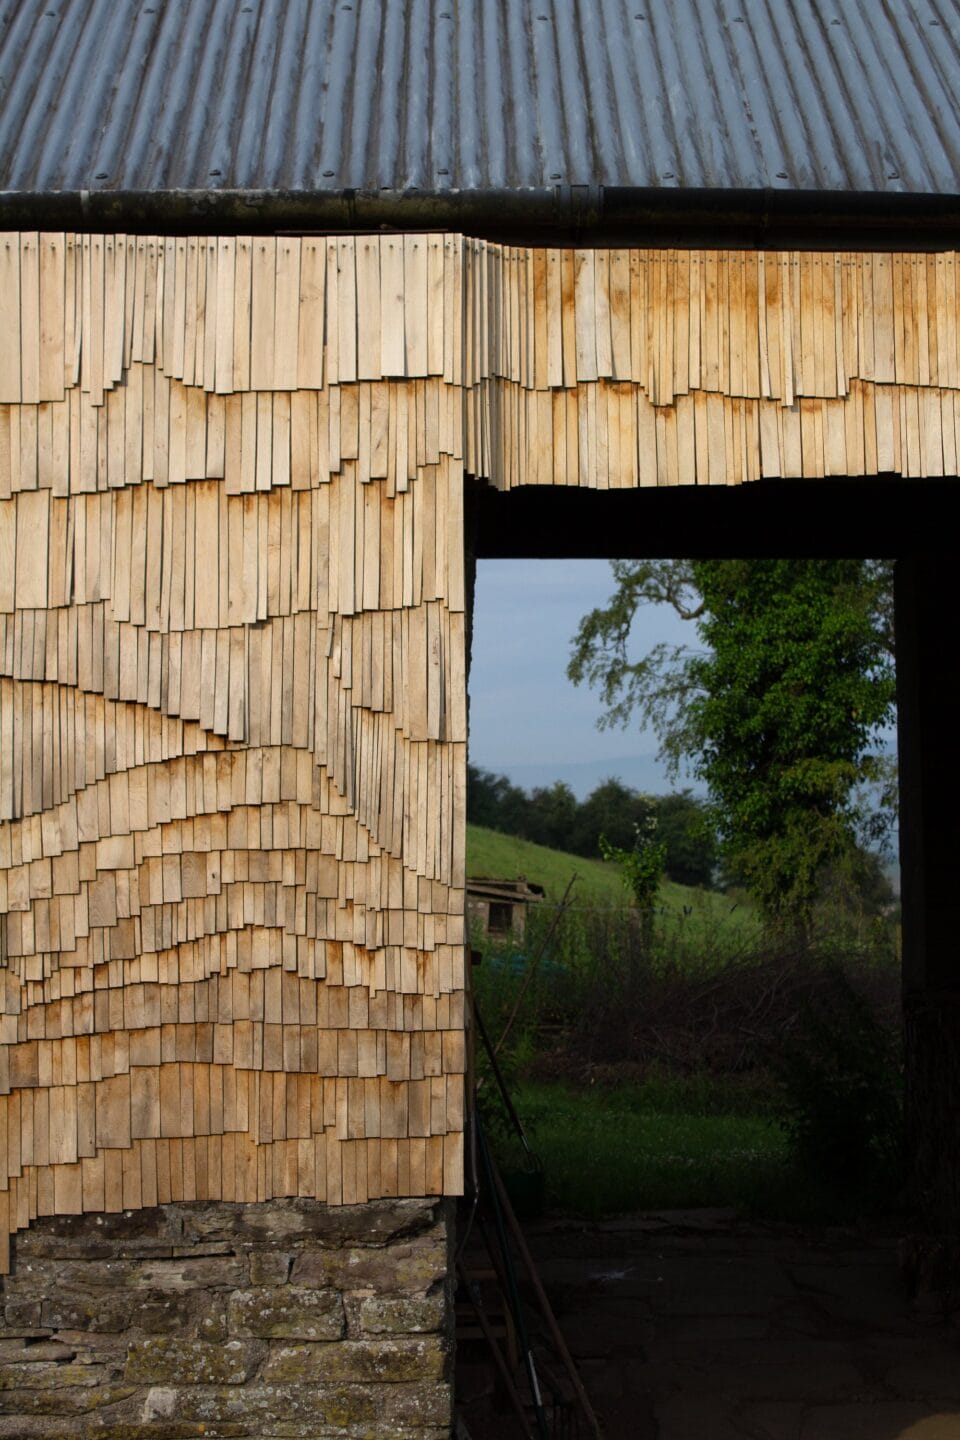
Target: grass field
[
  {"x": 609, "y": 1152},
  {"x": 606, "y": 1152}
]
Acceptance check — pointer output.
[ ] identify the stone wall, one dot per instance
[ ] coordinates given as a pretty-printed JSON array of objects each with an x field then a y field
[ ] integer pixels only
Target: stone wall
[{"x": 288, "y": 1319}]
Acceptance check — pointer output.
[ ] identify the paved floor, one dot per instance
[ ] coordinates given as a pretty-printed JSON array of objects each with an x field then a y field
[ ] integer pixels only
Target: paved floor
[{"x": 694, "y": 1327}]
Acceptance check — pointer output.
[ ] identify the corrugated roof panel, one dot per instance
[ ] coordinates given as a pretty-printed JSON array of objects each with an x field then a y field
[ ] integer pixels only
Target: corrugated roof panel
[{"x": 321, "y": 96}]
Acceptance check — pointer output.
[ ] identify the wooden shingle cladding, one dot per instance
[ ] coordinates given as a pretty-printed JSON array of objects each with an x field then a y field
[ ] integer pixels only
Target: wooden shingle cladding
[{"x": 232, "y": 692}]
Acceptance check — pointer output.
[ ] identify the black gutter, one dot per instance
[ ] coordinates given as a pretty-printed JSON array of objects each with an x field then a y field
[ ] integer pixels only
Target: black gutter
[{"x": 560, "y": 215}]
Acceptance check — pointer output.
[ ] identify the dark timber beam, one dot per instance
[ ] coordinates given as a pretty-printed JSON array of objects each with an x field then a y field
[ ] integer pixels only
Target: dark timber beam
[
  {"x": 836, "y": 517},
  {"x": 754, "y": 219},
  {"x": 930, "y": 867}
]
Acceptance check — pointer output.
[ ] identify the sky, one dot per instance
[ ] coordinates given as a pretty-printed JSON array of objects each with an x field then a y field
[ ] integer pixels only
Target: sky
[{"x": 527, "y": 720}]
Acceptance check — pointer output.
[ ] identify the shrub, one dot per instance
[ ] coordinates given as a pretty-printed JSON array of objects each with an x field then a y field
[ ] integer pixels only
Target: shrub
[{"x": 840, "y": 1082}]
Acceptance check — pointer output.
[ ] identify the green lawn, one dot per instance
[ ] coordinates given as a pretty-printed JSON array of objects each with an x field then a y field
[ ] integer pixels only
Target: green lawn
[{"x": 606, "y": 1152}]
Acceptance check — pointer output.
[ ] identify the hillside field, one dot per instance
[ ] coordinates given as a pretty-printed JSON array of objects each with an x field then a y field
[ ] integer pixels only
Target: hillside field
[{"x": 598, "y": 885}]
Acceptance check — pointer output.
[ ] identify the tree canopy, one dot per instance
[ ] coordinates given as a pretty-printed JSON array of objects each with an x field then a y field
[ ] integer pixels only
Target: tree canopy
[{"x": 779, "y": 713}]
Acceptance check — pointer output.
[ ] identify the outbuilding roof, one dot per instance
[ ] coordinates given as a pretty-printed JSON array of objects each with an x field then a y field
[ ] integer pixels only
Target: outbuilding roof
[{"x": 557, "y": 111}]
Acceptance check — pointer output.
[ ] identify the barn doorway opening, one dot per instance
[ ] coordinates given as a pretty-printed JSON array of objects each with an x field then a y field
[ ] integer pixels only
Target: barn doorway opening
[
  {"x": 853, "y": 517},
  {"x": 705, "y": 1261}
]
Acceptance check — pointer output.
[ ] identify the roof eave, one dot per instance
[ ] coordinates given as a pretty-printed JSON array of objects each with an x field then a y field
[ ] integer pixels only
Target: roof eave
[{"x": 560, "y": 214}]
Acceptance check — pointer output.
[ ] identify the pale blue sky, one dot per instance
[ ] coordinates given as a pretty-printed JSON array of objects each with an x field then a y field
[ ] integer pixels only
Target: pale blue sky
[{"x": 526, "y": 719}]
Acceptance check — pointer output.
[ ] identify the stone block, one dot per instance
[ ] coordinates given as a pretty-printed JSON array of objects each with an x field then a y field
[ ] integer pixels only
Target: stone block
[
  {"x": 200, "y": 1325},
  {"x": 212, "y": 1317},
  {"x": 100, "y": 1237},
  {"x": 61, "y": 1400},
  {"x": 50, "y": 1375},
  {"x": 45, "y": 1276},
  {"x": 97, "y": 1310},
  {"x": 278, "y": 1409},
  {"x": 216, "y": 1272},
  {"x": 163, "y": 1361},
  {"x": 402, "y": 1315},
  {"x": 936, "y": 1373},
  {"x": 292, "y": 1223},
  {"x": 868, "y": 1422},
  {"x": 366, "y": 1361},
  {"x": 20, "y": 1312},
  {"x": 284, "y": 1312},
  {"x": 272, "y": 1408},
  {"x": 402, "y": 1270},
  {"x": 305, "y": 1430},
  {"x": 270, "y": 1267},
  {"x": 12, "y": 1351},
  {"x": 159, "y": 1430}
]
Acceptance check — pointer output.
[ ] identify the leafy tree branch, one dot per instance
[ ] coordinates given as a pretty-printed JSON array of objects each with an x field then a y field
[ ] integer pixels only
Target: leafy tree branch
[{"x": 781, "y": 712}]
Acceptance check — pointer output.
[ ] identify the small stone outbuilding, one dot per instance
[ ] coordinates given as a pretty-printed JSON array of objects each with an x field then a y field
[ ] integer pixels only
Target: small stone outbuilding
[{"x": 497, "y": 909}]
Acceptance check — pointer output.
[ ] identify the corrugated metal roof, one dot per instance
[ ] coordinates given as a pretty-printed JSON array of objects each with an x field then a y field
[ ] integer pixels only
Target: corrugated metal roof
[{"x": 319, "y": 97}]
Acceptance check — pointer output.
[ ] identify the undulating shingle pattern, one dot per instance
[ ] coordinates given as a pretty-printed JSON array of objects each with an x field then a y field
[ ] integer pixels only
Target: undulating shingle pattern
[
  {"x": 231, "y": 723},
  {"x": 232, "y": 692}
]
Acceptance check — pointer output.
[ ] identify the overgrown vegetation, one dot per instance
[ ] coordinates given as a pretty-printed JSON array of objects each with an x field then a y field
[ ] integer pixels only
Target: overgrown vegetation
[
  {"x": 699, "y": 1066},
  {"x": 841, "y": 1103}
]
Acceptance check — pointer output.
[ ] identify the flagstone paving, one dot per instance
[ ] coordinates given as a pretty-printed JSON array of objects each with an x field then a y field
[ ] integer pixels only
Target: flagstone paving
[{"x": 693, "y": 1326}]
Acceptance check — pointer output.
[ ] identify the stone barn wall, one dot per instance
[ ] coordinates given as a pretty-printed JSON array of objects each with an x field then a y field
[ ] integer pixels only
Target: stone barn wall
[{"x": 292, "y": 1318}]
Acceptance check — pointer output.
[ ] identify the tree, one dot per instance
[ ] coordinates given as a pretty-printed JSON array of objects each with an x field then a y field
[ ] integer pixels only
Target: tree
[
  {"x": 552, "y": 815},
  {"x": 494, "y": 802},
  {"x": 642, "y": 870},
  {"x": 613, "y": 810},
  {"x": 779, "y": 714},
  {"x": 685, "y": 825}
]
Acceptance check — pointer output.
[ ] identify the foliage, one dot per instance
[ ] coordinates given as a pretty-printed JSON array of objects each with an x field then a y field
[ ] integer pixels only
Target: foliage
[
  {"x": 685, "y": 826},
  {"x": 642, "y": 865},
  {"x": 551, "y": 816},
  {"x": 654, "y": 687},
  {"x": 494, "y": 802},
  {"x": 614, "y": 811},
  {"x": 778, "y": 715},
  {"x": 709, "y": 992},
  {"x": 648, "y": 1077},
  {"x": 647, "y": 1074},
  {"x": 839, "y": 1075}
]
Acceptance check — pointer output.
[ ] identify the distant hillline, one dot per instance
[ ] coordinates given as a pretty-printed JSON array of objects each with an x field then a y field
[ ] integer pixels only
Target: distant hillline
[{"x": 642, "y": 772}]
